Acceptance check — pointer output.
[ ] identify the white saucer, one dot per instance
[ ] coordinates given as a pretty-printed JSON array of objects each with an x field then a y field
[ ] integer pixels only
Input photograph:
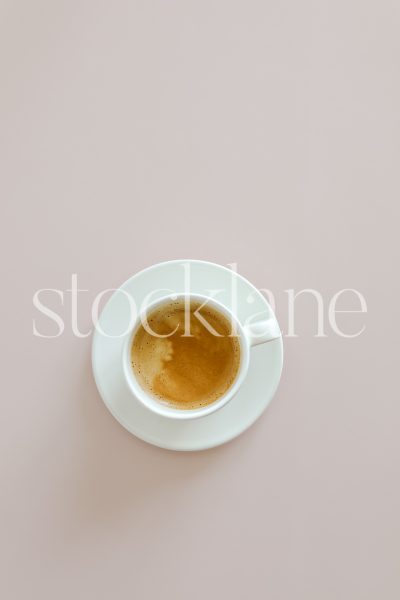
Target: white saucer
[{"x": 205, "y": 432}]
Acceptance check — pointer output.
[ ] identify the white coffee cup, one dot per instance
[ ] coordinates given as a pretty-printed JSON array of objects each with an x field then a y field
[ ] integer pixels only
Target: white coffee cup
[{"x": 249, "y": 335}]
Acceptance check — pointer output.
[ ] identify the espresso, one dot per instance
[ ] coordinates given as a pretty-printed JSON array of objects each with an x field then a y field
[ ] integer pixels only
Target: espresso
[{"x": 185, "y": 356}]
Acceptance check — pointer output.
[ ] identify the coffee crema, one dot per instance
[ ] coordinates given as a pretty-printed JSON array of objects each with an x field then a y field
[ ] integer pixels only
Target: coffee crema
[{"x": 180, "y": 370}]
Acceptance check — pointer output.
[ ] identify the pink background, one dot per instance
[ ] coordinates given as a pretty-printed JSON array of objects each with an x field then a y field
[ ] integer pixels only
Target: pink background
[{"x": 260, "y": 133}]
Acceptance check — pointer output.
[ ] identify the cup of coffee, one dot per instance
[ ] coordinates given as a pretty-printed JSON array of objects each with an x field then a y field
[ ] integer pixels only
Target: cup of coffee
[{"x": 187, "y": 355}]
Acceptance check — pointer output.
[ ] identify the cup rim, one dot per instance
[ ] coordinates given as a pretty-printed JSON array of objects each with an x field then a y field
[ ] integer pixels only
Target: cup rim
[{"x": 152, "y": 403}]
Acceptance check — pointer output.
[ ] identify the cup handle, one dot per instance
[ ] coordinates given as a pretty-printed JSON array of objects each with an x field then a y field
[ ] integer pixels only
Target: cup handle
[{"x": 262, "y": 331}]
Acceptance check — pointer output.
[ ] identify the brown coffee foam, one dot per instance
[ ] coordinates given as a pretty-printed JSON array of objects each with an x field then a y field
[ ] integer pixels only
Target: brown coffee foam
[{"x": 185, "y": 372}]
